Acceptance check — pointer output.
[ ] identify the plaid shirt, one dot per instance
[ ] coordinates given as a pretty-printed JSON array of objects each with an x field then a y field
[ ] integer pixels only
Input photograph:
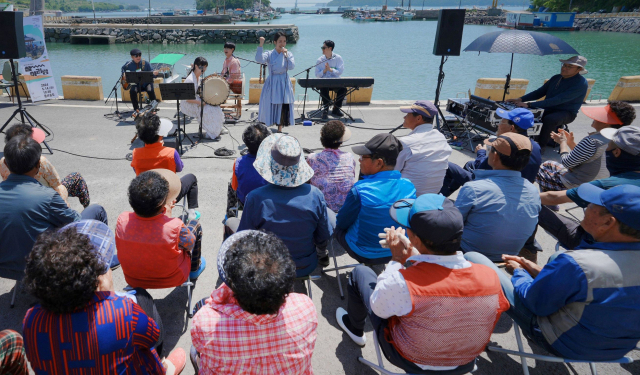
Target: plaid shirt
[{"x": 233, "y": 341}]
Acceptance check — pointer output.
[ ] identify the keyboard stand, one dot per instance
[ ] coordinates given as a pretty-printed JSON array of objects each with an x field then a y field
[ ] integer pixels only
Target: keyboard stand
[{"x": 316, "y": 115}]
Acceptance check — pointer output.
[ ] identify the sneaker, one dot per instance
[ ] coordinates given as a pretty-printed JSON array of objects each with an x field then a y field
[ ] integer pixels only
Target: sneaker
[
  {"x": 193, "y": 354},
  {"x": 325, "y": 115},
  {"x": 193, "y": 275},
  {"x": 193, "y": 215},
  {"x": 175, "y": 362},
  {"x": 340, "y": 315},
  {"x": 224, "y": 131},
  {"x": 324, "y": 261},
  {"x": 337, "y": 112}
]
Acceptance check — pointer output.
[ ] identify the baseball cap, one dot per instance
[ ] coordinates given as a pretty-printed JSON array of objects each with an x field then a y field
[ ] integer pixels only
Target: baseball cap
[
  {"x": 602, "y": 114},
  {"x": 580, "y": 61},
  {"x": 135, "y": 51},
  {"x": 508, "y": 143},
  {"x": 421, "y": 107},
  {"x": 385, "y": 145},
  {"x": 101, "y": 238},
  {"x": 522, "y": 117},
  {"x": 432, "y": 217},
  {"x": 626, "y": 138},
  {"x": 622, "y": 201}
]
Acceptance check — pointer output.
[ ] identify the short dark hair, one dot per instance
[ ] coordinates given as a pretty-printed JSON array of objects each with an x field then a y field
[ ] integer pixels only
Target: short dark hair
[
  {"x": 425, "y": 119},
  {"x": 148, "y": 193},
  {"x": 331, "y": 133},
  {"x": 628, "y": 231},
  {"x": 254, "y": 135},
  {"x": 385, "y": 160},
  {"x": 62, "y": 270},
  {"x": 515, "y": 162},
  {"x": 22, "y": 154},
  {"x": 147, "y": 127},
  {"x": 330, "y": 44},
  {"x": 260, "y": 272},
  {"x": 16, "y": 130},
  {"x": 446, "y": 248},
  {"x": 625, "y": 112},
  {"x": 200, "y": 61},
  {"x": 230, "y": 45},
  {"x": 277, "y": 36},
  {"x": 517, "y": 129}
]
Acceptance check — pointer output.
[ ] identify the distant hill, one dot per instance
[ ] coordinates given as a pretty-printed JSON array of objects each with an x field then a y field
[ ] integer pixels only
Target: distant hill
[
  {"x": 84, "y": 5},
  {"x": 427, "y": 3}
]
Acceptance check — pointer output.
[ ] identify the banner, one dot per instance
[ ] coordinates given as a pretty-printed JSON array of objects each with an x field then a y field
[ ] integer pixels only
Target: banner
[{"x": 35, "y": 68}]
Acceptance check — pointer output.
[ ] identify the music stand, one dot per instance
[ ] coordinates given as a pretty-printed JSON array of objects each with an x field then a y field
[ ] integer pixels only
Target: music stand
[
  {"x": 138, "y": 78},
  {"x": 177, "y": 92}
]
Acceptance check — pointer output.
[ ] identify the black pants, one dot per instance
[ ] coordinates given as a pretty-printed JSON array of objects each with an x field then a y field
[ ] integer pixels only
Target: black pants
[
  {"x": 340, "y": 93},
  {"x": 145, "y": 301},
  {"x": 341, "y": 234},
  {"x": 551, "y": 121},
  {"x": 133, "y": 93},
  {"x": 284, "y": 115},
  {"x": 568, "y": 231},
  {"x": 189, "y": 187}
]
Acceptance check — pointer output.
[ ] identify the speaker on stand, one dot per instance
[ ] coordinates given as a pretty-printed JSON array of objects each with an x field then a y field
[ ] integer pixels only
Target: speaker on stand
[{"x": 12, "y": 47}]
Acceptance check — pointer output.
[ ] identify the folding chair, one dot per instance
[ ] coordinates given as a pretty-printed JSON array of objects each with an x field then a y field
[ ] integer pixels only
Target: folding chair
[
  {"x": 13, "y": 296},
  {"x": 548, "y": 358},
  {"x": 188, "y": 284},
  {"x": 309, "y": 278},
  {"x": 336, "y": 268}
]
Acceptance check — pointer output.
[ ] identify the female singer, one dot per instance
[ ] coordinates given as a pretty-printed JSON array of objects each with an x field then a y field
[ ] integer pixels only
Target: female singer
[
  {"x": 276, "y": 100},
  {"x": 212, "y": 116}
]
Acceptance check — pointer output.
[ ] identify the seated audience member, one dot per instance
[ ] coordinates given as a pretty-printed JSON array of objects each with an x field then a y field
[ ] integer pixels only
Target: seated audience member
[
  {"x": 294, "y": 211},
  {"x": 157, "y": 251},
  {"x": 581, "y": 162},
  {"x": 72, "y": 185},
  {"x": 334, "y": 171},
  {"x": 425, "y": 151},
  {"x": 500, "y": 208},
  {"x": 514, "y": 121},
  {"x": 271, "y": 327},
  {"x": 245, "y": 178},
  {"x": 154, "y": 155},
  {"x": 437, "y": 314},
  {"x": 13, "y": 359},
  {"x": 81, "y": 323},
  {"x": 584, "y": 304},
  {"x": 623, "y": 163},
  {"x": 365, "y": 212},
  {"x": 28, "y": 208}
]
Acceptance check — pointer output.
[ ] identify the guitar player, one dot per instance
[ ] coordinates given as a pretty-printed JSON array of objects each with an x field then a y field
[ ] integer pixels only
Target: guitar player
[{"x": 138, "y": 65}]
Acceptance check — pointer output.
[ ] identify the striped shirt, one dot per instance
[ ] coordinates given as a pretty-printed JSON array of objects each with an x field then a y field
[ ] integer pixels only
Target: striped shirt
[{"x": 583, "y": 151}]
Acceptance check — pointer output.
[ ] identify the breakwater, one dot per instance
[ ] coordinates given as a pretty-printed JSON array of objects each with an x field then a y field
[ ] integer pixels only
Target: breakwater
[
  {"x": 171, "y": 34},
  {"x": 471, "y": 17},
  {"x": 154, "y": 20},
  {"x": 611, "y": 24}
]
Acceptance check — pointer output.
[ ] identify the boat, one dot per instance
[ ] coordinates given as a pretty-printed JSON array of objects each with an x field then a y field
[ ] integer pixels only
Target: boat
[
  {"x": 169, "y": 13},
  {"x": 164, "y": 64},
  {"x": 408, "y": 16}
]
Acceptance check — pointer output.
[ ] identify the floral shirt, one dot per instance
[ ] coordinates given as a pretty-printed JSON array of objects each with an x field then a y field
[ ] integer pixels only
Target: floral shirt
[
  {"x": 334, "y": 174},
  {"x": 47, "y": 176}
]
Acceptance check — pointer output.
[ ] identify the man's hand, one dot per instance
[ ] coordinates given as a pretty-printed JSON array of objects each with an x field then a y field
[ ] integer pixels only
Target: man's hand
[
  {"x": 326, "y": 67},
  {"x": 480, "y": 146},
  {"x": 522, "y": 104},
  {"x": 516, "y": 100},
  {"x": 559, "y": 137},
  {"x": 155, "y": 72},
  {"x": 261, "y": 41},
  {"x": 400, "y": 250},
  {"x": 514, "y": 262}
]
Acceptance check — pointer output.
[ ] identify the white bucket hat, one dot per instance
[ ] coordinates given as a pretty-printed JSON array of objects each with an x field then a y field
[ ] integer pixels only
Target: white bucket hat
[
  {"x": 280, "y": 161},
  {"x": 166, "y": 126}
]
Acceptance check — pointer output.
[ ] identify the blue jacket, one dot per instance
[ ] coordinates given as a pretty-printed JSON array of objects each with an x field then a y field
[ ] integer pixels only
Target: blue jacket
[
  {"x": 587, "y": 302},
  {"x": 529, "y": 172},
  {"x": 560, "y": 94},
  {"x": 365, "y": 212},
  {"x": 248, "y": 178}
]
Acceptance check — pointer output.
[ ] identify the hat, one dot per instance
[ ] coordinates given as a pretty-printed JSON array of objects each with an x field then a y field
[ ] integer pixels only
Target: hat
[
  {"x": 432, "y": 217},
  {"x": 385, "y": 145},
  {"x": 626, "y": 138},
  {"x": 135, "y": 51},
  {"x": 347, "y": 134},
  {"x": 421, "y": 107},
  {"x": 166, "y": 126},
  {"x": 173, "y": 180},
  {"x": 279, "y": 161},
  {"x": 522, "y": 117},
  {"x": 38, "y": 135},
  {"x": 622, "y": 201},
  {"x": 222, "y": 253},
  {"x": 602, "y": 114},
  {"x": 101, "y": 238},
  {"x": 580, "y": 61},
  {"x": 509, "y": 142}
]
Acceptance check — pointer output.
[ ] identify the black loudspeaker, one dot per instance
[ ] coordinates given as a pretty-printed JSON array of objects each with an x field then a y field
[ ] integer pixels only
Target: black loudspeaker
[
  {"x": 12, "y": 36},
  {"x": 449, "y": 33}
]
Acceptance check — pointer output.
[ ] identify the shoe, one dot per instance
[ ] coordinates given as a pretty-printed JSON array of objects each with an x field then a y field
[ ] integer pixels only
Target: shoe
[
  {"x": 324, "y": 261},
  {"x": 193, "y": 215},
  {"x": 325, "y": 115},
  {"x": 224, "y": 131},
  {"x": 193, "y": 275},
  {"x": 193, "y": 354},
  {"x": 175, "y": 362},
  {"x": 554, "y": 207},
  {"x": 115, "y": 263},
  {"x": 359, "y": 340},
  {"x": 337, "y": 112}
]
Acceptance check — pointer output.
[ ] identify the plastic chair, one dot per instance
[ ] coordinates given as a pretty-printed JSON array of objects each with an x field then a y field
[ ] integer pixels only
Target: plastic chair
[
  {"x": 7, "y": 79},
  {"x": 547, "y": 358}
]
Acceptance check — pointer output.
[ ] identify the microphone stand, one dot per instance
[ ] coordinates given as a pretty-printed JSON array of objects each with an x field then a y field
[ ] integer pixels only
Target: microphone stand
[
  {"x": 114, "y": 90},
  {"x": 304, "y": 102},
  {"x": 397, "y": 128}
]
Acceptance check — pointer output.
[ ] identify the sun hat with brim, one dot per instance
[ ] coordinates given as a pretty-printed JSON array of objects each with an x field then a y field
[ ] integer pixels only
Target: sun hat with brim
[
  {"x": 101, "y": 238},
  {"x": 347, "y": 134},
  {"x": 38, "y": 135},
  {"x": 432, "y": 217},
  {"x": 165, "y": 128},
  {"x": 522, "y": 117},
  {"x": 421, "y": 107},
  {"x": 622, "y": 201},
  {"x": 222, "y": 253},
  {"x": 173, "y": 180},
  {"x": 280, "y": 162},
  {"x": 602, "y": 114},
  {"x": 580, "y": 61},
  {"x": 626, "y": 138}
]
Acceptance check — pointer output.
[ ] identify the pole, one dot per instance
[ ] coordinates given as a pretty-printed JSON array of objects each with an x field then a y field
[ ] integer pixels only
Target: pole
[
  {"x": 508, "y": 81},
  {"x": 94, "y": 12},
  {"x": 148, "y": 46},
  {"x": 422, "y": 4}
]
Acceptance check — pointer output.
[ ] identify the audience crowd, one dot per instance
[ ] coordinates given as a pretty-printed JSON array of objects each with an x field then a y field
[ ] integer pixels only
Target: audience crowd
[{"x": 433, "y": 308}]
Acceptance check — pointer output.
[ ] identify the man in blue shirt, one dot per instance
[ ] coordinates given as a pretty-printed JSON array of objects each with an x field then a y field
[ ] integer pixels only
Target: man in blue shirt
[
  {"x": 583, "y": 304},
  {"x": 138, "y": 65},
  {"x": 500, "y": 208},
  {"x": 365, "y": 212},
  {"x": 330, "y": 65},
  {"x": 564, "y": 94}
]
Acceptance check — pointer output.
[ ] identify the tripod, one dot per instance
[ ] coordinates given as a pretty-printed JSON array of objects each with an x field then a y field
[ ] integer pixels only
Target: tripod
[
  {"x": 436, "y": 102},
  {"x": 114, "y": 90},
  {"x": 22, "y": 111}
]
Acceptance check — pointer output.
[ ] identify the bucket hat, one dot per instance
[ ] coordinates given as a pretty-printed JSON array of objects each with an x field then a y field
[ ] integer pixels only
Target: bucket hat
[{"x": 280, "y": 162}]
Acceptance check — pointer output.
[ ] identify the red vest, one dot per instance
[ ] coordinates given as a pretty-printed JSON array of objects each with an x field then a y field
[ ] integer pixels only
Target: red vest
[
  {"x": 153, "y": 156},
  {"x": 454, "y": 313},
  {"x": 148, "y": 251}
]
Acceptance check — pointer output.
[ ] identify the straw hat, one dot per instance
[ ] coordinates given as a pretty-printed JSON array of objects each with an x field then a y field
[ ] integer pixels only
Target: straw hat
[
  {"x": 280, "y": 162},
  {"x": 173, "y": 180}
]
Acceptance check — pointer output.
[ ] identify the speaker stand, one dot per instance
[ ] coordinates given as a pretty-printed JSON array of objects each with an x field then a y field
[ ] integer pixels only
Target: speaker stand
[
  {"x": 22, "y": 111},
  {"x": 436, "y": 102}
]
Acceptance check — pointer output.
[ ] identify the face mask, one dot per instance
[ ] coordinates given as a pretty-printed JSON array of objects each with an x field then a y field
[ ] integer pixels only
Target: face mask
[{"x": 623, "y": 163}]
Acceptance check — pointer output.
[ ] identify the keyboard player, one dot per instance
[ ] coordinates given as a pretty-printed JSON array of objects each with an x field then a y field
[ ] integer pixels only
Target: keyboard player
[{"x": 330, "y": 65}]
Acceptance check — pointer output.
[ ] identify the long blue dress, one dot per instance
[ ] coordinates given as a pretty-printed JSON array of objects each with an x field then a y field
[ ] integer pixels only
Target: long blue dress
[{"x": 277, "y": 89}]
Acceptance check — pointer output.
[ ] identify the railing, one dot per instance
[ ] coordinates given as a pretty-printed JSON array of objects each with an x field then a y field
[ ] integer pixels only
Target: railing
[
  {"x": 609, "y": 15},
  {"x": 52, "y": 18}
]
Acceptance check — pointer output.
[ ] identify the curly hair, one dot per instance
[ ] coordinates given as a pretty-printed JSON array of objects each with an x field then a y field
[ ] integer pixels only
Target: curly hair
[
  {"x": 260, "y": 272},
  {"x": 625, "y": 112},
  {"x": 18, "y": 129},
  {"x": 253, "y": 136},
  {"x": 331, "y": 133},
  {"x": 22, "y": 154},
  {"x": 148, "y": 193},
  {"x": 62, "y": 270},
  {"x": 147, "y": 127}
]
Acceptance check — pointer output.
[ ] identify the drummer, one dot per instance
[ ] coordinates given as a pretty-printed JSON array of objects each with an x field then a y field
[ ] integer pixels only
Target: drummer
[
  {"x": 212, "y": 116},
  {"x": 231, "y": 65}
]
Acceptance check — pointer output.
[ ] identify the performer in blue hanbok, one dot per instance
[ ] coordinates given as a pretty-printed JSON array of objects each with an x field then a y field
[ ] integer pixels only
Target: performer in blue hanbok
[{"x": 276, "y": 100}]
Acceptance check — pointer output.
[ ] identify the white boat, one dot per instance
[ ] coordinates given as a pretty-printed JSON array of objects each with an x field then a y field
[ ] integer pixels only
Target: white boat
[{"x": 408, "y": 15}]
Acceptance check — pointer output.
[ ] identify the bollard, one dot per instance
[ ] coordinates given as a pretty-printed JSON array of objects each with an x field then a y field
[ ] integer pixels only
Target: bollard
[
  {"x": 82, "y": 88},
  {"x": 493, "y": 88},
  {"x": 627, "y": 89},
  {"x": 255, "y": 89}
]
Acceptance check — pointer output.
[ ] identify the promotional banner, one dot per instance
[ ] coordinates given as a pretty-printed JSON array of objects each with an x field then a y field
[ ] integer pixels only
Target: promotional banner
[{"x": 35, "y": 67}]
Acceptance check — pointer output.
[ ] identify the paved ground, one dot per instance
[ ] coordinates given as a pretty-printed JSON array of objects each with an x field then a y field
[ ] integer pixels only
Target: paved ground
[{"x": 81, "y": 128}]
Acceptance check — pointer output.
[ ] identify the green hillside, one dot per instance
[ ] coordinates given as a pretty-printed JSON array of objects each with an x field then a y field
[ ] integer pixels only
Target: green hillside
[
  {"x": 108, "y": 5},
  {"x": 586, "y": 5},
  {"x": 427, "y": 3}
]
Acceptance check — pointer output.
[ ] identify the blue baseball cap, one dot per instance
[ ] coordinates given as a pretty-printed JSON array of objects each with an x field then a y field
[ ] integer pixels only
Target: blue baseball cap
[
  {"x": 522, "y": 117},
  {"x": 432, "y": 217},
  {"x": 622, "y": 201},
  {"x": 421, "y": 107}
]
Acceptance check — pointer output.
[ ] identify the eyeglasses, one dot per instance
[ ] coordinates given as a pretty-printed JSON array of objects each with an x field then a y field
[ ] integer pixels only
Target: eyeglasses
[
  {"x": 136, "y": 55},
  {"x": 324, "y": 47}
]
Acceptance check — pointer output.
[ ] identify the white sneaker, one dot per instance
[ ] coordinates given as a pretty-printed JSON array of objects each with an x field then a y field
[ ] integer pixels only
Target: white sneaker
[
  {"x": 359, "y": 340},
  {"x": 224, "y": 131}
]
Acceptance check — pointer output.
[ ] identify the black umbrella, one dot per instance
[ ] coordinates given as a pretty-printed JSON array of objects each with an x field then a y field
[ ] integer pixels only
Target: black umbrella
[{"x": 522, "y": 42}]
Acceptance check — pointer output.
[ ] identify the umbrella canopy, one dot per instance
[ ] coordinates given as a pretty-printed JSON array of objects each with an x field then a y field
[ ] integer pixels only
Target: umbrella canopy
[{"x": 522, "y": 42}]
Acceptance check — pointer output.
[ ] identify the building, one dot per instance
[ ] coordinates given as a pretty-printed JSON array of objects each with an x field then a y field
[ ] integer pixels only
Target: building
[
  {"x": 556, "y": 19},
  {"x": 520, "y": 19}
]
